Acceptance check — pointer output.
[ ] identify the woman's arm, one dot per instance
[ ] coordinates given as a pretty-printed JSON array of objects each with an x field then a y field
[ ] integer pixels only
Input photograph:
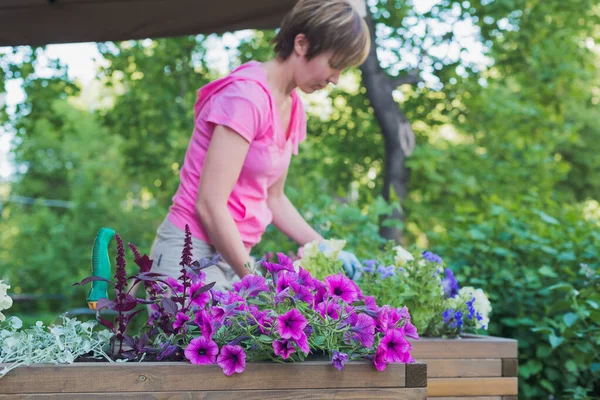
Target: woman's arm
[
  {"x": 220, "y": 172},
  {"x": 286, "y": 217}
]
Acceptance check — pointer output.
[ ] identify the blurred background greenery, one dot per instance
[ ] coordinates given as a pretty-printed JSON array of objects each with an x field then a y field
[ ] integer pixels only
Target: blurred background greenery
[{"x": 503, "y": 180}]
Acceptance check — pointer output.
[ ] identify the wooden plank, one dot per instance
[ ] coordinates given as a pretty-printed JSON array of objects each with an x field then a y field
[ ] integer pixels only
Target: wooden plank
[
  {"x": 510, "y": 397},
  {"x": 350, "y": 394},
  {"x": 472, "y": 387},
  {"x": 181, "y": 376},
  {"x": 468, "y": 398},
  {"x": 510, "y": 367},
  {"x": 43, "y": 22},
  {"x": 467, "y": 347},
  {"x": 456, "y": 368},
  {"x": 416, "y": 375}
]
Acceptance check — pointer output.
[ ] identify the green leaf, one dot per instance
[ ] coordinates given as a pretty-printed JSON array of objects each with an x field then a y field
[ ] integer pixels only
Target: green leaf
[
  {"x": 592, "y": 304},
  {"x": 547, "y": 385},
  {"x": 547, "y": 271},
  {"x": 570, "y": 319},
  {"x": 543, "y": 329},
  {"x": 571, "y": 366},
  {"x": 555, "y": 341},
  {"x": 265, "y": 339}
]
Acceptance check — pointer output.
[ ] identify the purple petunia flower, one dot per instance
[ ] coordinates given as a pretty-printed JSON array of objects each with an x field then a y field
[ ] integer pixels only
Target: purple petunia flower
[
  {"x": 283, "y": 281},
  {"x": 339, "y": 359},
  {"x": 429, "y": 256},
  {"x": 396, "y": 346},
  {"x": 450, "y": 284},
  {"x": 411, "y": 331},
  {"x": 284, "y": 264},
  {"x": 342, "y": 287},
  {"x": 386, "y": 272},
  {"x": 302, "y": 343},
  {"x": 206, "y": 323},
  {"x": 329, "y": 309},
  {"x": 364, "y": 330},
  {"x": 180, "y": 320},
  {"x": 201, "y": 350},
  {"x": 174, "y": 284},
  {"x": 202, "y": 299},
  {"x": 291, "y": 324},
  {"x": 369, "y": 266},
  {"x": 283, "y": 348},
  {"x": 232, "y": 360},
  {"x": 380, "y": 359},
  {"x": 251, "y": 285},
  {"x": 302, "y": 293}
]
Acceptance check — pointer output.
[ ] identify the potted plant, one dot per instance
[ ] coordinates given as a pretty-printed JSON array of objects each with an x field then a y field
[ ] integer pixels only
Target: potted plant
[
  {"x": 450, "y": 319},
  {"x": 280, "y": 333}
]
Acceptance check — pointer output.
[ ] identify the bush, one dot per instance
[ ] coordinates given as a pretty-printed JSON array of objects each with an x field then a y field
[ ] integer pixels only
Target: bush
[{"x": 527, "y": 256}]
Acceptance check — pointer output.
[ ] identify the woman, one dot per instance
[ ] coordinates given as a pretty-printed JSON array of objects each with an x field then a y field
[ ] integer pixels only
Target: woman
[{"x": 247, "y": 125}]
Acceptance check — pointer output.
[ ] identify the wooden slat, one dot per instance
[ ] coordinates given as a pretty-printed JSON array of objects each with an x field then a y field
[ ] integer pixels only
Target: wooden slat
[
  {"x": 349, "y": 394},
  {"x": 472, "y": 387},
  {"x": 510, "y": 367},
  {"x": 43, "y": 22},
  {"x": 150, "y": 377},
  {"x": 416, "y": 375},
  {"x": 455, "y": 368},
  {"x": 510, "y": 397},
  {"x": 468, "y": 347},
  {"x": 468, "y": 398}
]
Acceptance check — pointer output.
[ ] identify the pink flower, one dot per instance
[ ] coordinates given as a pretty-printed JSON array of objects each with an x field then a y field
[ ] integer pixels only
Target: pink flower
[
  {"x": 396, "y": 346},
  {"x": 201, "y": 350},
  {"x": 329, "y": 309},
  {"x": 302, "y": 342},
  {"x": 411, "y": 331},
  {"x": 339, "y": 359},
  {"x": 206, "y": 323},
  {"x": 180, "y": 320},
  {"x": 283, "y": 348},
  {"x": 302, "y": 293},
  {"x": 341, "y": 287},
  {"x": 251, "y": 285},
  {"x": 291, "y": 324},
  {"x": 232, "y": 360},
  {"x": 174, "y": 284},
  {"x": 380, "y": 358},
  {"x": 284, "y": 280},
  {"x": 202, "y": 299},
  {"x": 363, "y": 330}
]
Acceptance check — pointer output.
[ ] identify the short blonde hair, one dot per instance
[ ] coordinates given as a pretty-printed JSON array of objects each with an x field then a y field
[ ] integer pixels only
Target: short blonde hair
[{"x": 329, "y": 25}]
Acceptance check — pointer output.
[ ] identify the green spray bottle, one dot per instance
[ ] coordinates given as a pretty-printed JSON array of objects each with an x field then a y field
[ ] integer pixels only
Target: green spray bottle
[{"x": 100, "y": 267}]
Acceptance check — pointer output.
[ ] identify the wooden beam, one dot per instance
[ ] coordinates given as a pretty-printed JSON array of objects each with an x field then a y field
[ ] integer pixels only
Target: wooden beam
[{"x": 39, "y": 22}]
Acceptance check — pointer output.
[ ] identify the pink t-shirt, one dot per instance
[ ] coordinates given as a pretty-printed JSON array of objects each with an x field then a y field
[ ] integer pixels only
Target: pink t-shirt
[{"x": 242, "y": 102}]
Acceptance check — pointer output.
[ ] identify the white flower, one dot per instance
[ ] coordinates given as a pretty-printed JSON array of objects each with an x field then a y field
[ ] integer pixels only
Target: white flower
[
  {"x": 16, "y": 323},
  {"x": 3, "y": 288},
  {"x": 334, "y": 246},
  {"x": 310, "y": 250},
  {"x": 5, "y": 301},
  {"x": 402, "y": 256},
  {"x": 481, "y": 305}
]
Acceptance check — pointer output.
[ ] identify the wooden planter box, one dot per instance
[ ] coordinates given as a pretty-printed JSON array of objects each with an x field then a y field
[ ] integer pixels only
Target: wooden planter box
[
  {"x": 181, "y": 380},
  {"x": 477, "y": 367}
]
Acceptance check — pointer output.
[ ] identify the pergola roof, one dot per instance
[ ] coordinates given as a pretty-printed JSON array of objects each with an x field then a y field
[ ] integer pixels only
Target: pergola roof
[{"x": 40, "y": 22}]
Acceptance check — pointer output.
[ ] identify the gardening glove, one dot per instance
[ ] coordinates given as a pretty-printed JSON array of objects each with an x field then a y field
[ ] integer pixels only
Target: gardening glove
[{"x": 352, "y": 266}]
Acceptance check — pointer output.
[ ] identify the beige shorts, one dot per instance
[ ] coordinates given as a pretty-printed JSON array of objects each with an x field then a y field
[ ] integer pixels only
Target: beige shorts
[{"x": 166, "y": 256}]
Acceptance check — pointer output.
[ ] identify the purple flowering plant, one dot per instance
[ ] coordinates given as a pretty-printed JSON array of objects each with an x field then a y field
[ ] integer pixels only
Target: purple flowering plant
[
  {"x": 420, "y": 280},
  {"x": 283, "y": 314}
]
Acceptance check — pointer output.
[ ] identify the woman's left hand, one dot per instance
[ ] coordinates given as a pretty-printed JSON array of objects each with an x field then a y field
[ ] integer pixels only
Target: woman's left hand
[{"x": 352, "y": 266}]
